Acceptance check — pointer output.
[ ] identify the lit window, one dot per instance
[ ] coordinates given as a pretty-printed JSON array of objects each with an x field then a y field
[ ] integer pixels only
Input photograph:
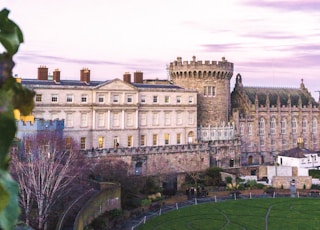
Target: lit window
[
  {"x": 155, "y": 139},
  {"x": 54, "y": 98},
  {"x": 130, "y": 141},
  {"x": 166, "y": 99},
  {"x": 68, "y": 142},
  {"x": 84, "y": 98},
  {"x": 38, "y": 97},
  {"x": 100, "y": 142},
  {"x": 178, "y": 139},
  {"x": 166, "y": 138},
  {"x": 82, "y": 142}
]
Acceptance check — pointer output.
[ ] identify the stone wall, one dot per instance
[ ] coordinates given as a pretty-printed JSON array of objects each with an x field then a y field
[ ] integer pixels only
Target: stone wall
[{"x": 301, "y": 182}]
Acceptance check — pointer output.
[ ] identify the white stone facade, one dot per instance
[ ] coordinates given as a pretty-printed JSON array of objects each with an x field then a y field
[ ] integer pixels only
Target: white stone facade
[{"x": 102, "y": 114}]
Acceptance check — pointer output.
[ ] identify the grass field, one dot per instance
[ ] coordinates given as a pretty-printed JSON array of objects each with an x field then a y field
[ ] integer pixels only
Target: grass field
[{"x": 255, "y": 214}]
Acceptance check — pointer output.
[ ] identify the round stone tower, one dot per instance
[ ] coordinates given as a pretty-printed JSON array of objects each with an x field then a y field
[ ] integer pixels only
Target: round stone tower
[{"x": 212, "y": 81}]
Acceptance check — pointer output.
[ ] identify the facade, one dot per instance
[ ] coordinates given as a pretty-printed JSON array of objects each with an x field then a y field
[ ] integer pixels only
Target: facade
[
  {"x": 270, "y": 120},
  {"x": 116, "y": 113}
]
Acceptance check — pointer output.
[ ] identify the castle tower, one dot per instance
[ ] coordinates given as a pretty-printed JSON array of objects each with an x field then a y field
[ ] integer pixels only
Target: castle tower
[{"x": 212, "y": 81}]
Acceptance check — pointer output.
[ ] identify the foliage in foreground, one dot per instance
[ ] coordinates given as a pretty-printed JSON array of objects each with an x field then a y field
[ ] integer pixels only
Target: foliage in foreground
[{"x": 12, "y": 96}]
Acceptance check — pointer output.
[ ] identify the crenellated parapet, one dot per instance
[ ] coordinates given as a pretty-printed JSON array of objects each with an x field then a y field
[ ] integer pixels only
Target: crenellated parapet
[
  {"x": 199, "y": 69},
  {"x": 40, "y": 124}
]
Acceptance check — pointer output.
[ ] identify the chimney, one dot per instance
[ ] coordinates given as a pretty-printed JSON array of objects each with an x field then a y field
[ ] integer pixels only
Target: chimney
[
  {"x": 42, "y": 73},
  {"x": 300, "y": 143},
  {"x": 85, "y": 75},
  {"x": 127, "y": 77},
  {"x": 56, "y": 75},
  {"x": 138, "y": 77}
]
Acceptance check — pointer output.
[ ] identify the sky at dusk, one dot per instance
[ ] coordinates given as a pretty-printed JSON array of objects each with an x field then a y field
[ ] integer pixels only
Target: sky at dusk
[{"x": 271, "y": 42}]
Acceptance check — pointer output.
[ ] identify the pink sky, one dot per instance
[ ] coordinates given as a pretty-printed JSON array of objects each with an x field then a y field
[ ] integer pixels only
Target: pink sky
[{"x": 271, "y": 43}]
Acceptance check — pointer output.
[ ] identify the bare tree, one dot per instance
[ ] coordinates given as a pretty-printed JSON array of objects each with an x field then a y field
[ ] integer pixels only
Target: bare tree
[{"x": 44, "y": 168}]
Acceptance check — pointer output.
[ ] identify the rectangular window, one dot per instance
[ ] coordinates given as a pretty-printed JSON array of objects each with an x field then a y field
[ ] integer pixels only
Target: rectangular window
[
  {"x": 69, "y": 98},
  {"x": 167, "y": 119},
  {"x": 143, "y": 119},
  {"x": 38, "y": 97},
  {"x": 116, "y": 120},
  {"x": 101, "y": 120},
  {"x": 179, "y": 118},
  {"x": 209, "y": 91},
  {"x": 191, "y": 118},
  {"x": 68, "y": 142},
  {"x": 83, "y": 143},
  {"x": 166, "y": 99},
  {"x": 69, "y": 120},
  {"x": 155, "y": 119},
  {"x": 27, "y": 146},
  {"x": 54, "y": 98},
  {"x": 84, "y": 98},
  {"x": 142, "y": 140},
  {"x": 190, "y": 99},
  {"x": 166, "y": 138},
  {"x": 178, "y": 139},
  {"x": 178, "y": 99},
  {"x": 130, "y": 141},
  {"x": 154, "y": 139},
  {"x": 100, "y": 142},
  {"x": 155, "y": 99},
  {"x": 100, "y": 98},
  {"x": 130, "y": 119},
  {"x": 143, "y": 99},
  {"x": 115, "y": 98},
  {"x": 129, "y": 98},
  {"x": 250, "y": 129},
  {"x": 84, "y": 120}
]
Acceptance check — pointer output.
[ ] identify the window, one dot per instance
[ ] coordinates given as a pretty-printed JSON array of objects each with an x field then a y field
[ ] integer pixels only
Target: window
[
  {"x": 178, "y": 99},
  {"x": 143, "y": 140},
  {"x": 100, "y": 98},
  {"x": 129, "y": 98},
  {"x": 241, "y": 128},
  {"x": 154, "y": 139},
  {"x": 179, "y": 118},
  {"x": 84, "y": 120},
  {"x": 304, "y": 125},
  {"x": 191, "y": 118},
  {"x": 69, "y": 120},
  {"x": 273, "y": 126},
  {"x": 69, "y": 98},
  {"x": 167, "y": 119},
  {"x": 249, "y": 128},
  {"x": 54, "y": 98},
  {"x": 38, "y": 97},
  {"x": 130, "y": 141},
  {"x": 261, "y": 142},
  {"x": 116, "y": 119},
  {"x": 143, "y": 99},
  {"x": 130, "y": 119},
  {"x": 261, "y": 125},
  {"x": 209, "y": 91},
  {"x": 167, "y": 99},
  {"x": 115, "y": 98},
  {"x": 273, "y": 142},
  {"x": 155, "y": 99},
  {"x": 82, "y": 142},
  {"x": 166, "y": 138},
  {"x": 27, "y": 146},
  {"x": 143, "y": 121},
  {"x": 190, "y": 99},
  {"x": 178, "y": 139},
  {"x": 68, "y": 142},
  {"x": 101, "y": 120},
  {"x": 314, "y": 125},
  {"x": 84, "y": 98},
  {"x": 294, "y": 125},
  {"x": 155, "y": 119},
  {"x": 100, "y": 142},
  {"x": 284, "y": 142},
  {"x": 283, "y": 125}
]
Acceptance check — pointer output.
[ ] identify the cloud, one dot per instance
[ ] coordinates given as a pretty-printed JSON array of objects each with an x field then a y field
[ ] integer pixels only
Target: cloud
[{"x": 289, "y": 5}]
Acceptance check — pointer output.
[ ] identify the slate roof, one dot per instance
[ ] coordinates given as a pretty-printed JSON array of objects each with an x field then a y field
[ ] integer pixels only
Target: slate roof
[
  {"x": 296, "y": 152},
  {"x": 284, "y": 94}
]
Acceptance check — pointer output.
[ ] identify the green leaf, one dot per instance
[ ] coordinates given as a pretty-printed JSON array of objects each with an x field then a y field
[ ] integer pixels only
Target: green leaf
[
  {"x": 9, "y": 208},
  {"x": 10, "y": 34},
  {"x": 8, "y": 130}
]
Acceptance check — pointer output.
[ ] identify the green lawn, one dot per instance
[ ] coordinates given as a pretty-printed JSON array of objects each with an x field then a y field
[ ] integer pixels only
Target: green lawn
[{"x": 279, "y": 213}]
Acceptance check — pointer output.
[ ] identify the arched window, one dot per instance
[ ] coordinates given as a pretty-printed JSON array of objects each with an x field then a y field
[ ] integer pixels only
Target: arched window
[
  {"x": 241, "y": 128},
  {"x": 283, "y": 125},
  {"x": 273, "y": 125},
  {"x": 250, "y": 160},
  {"x": 314, "y": 125},
  {"x": 138, "y": 168},
  {"x": 294, "y": 125},
  {"x": 304, "y": 125},
  {"x": 261, "y": 126},
  {"x": 249, "y": 128}
]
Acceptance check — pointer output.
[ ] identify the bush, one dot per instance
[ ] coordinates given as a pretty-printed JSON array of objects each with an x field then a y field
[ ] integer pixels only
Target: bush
[{"x": 314, "y": 173}]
